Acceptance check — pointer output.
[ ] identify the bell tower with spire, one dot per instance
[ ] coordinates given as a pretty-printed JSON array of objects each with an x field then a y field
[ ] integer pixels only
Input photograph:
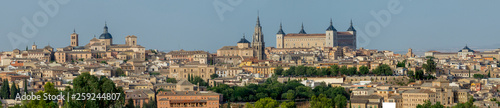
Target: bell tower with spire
[
  {"x": 331, "y": 35},
  {"x": 280, "y": 38},
  {"x": 74, "y": 39},
  {"x": 353, "y": 32},
  {"x": 258, "y": 41}
]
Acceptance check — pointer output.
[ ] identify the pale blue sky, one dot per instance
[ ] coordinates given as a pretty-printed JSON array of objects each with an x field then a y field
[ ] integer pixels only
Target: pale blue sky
[{"x": 195, "y": 24}]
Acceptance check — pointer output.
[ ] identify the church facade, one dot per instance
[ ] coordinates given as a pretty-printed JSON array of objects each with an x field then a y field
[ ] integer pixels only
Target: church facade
[
  {"x": 102, "y": 47},
  {"x": 331, "y": 38},
  {"x": 244, "y": 49}
]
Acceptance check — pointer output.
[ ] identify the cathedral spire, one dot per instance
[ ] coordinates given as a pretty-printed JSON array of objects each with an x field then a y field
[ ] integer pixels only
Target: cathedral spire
[
  {"x": 302, "y": 31},
  {"x": 258, "y": 20}
]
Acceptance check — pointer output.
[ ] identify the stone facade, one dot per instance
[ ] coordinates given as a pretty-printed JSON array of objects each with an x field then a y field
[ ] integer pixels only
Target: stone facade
[{"x": 330, "y": 38}]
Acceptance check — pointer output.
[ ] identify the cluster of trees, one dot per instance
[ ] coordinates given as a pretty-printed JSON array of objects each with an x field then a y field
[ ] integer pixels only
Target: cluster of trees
[
  {"x": 171, "y": 80},
  {"x": 419, "y": 75},
  {"x": 197, "y": 79},
  {"x": 401, "y": 64},
  {"x": 270, "y": 103},
  {"x": 290, "y": 91},
  {"x": 468, "y": 104},
  {"x": 119, "y": 72},
  {"x": 479, "y": 76},
  {"x": 86, "y": 83},
  {"x": 9, "y": 92},
  {"x": 322, "y": 101},
  {"x": 214, "y": 76},
  {"x": 333, "y": 70},
  {"x": 48, "y": 88},
  {"x": 430, "y": 65}
]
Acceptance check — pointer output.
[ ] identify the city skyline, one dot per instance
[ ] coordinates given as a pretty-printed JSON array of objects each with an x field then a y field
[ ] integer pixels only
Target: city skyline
[{"x": 179, "y": 26}]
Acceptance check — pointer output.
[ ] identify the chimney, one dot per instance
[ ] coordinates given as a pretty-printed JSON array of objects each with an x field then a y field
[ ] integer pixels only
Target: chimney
[{"x": 198, "y": 86}]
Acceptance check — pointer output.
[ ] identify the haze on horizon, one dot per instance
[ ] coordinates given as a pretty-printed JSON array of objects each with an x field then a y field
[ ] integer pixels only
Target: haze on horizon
[{"x": 174, "y": 25}]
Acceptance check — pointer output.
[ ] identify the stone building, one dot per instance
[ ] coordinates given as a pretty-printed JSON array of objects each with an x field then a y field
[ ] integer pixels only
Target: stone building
[
  {"x": 412, "y": 98},
  {"x": 188, "y": 99},
  {"x": 101, "y": 47},
  {"x": 183, "y": 71},
  {"x": 330, "y": 38}
]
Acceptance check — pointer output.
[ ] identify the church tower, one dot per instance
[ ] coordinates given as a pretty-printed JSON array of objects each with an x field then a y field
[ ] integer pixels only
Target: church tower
[
  {"x": 131, "y": 40},
  {"x": 33, "y": 47},
  {"x": 353, "y": 32},
  {"x": 280, "y": 38},
  {"x": 331, "y": 36},
  {"x": 74, "y": 39},
  {"x": 258, "y": 44}
]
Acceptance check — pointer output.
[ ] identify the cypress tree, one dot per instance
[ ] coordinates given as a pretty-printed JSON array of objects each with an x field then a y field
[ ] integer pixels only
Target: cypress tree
[
  {"x": 13, "y": 91},
  {"x": 5, "y": 90},
  {"x": 25, "y": 86},
  {"x": 489, "y": 74}
]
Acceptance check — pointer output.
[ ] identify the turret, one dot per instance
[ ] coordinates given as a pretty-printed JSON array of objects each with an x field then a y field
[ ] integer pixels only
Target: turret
[
  {"x": 331, "y": 35},
  {"x": 280, "y": 37},
  {"x": 353, "y": 32},
  {"x": 302, "y": 31}
]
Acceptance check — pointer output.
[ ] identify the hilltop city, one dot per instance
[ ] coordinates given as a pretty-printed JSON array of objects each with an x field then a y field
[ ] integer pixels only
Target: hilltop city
[{"x": 317, "y": 70}]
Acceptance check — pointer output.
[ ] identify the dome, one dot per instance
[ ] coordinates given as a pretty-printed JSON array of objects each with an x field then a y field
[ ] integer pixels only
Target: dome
[
  {"x": 105, "y": 34},
  {"x": 243, "y": 40}
]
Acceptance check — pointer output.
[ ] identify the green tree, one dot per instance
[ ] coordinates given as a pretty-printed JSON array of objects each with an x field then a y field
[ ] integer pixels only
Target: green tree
[
  {"x": 363, "y": 70},
  {"x": 352, "y": 70},
  {"x": 49, "y": 88},
  {"x": 278, "y": 70},
  {"x": 13, "y": 91},
  {"x": 344, "y": 70},
  {"x": 303, "y": 92},
  {"x": 411, "y": 74},
  {"x": 340, "y": 101},
  {"x": 248, "y": 105},
  {"x": 5, "y": 90},
  {"x": 289, "y": 104},
  {"x": 321, "y": 101},
  {"x": 430, "y": 66},
  {"x": 25, "y": 86},
  {"x": 214, "y": 76},
  {"x": 119, "y": 72},
  {"x": 171, "y": 80},
  {"x": 334, "y": 70},
  {"x": 290, "y": 95},
  {"x": 197, "y": 80},
  {"x": 266, "y": 103},
  {"x": 86, "y": 83},
  {"x": 479, "y": 76},
  {"x": 489, "y": 75},
  {"x": 130, "y": 103}
]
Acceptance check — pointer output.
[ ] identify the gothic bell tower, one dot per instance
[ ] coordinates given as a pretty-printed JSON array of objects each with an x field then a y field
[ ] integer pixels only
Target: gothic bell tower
[{"x": 258, "y": 44}]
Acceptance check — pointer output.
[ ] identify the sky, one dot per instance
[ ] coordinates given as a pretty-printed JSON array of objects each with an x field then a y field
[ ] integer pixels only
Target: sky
[{"x": 423, "y": 25}]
